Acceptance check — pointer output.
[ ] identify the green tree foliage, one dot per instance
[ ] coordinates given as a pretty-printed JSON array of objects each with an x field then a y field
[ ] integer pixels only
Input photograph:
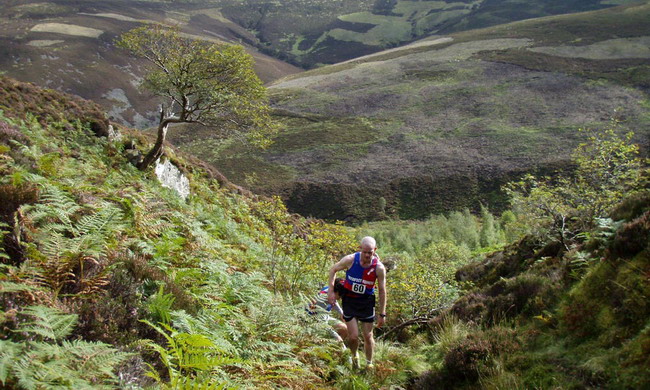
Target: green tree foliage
[
  {"x": 491, "y": 234},
  {"x": 202, "y": 82},
  {"x": 476, "y": 233},
  {"x": 423, "y": 284},
  {"x": 607, "y": 168},
  {"x": 301, "y": 251}
]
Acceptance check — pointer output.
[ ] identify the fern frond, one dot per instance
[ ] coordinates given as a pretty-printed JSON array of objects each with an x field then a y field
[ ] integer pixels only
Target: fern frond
[
  {"x": 48, "y": 323},
  {"x": 108, "y": 219},
  {"x": 217, "y": 328},
  {"x": 9, "y": 351},
  {"x": 97, "y": 359},
  {"x": 160, "y": 304},
  {"x": 55, "y": 205},
  {"x": 11, "y": 287},
  {"x": 188, "y": 383},
  {"x": 53, "y": 243},
  {"x": 33, "y": 372},
  {"x": 148, "y": 214}
]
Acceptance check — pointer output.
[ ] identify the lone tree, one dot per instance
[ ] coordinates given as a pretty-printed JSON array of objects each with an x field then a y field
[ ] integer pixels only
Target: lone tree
[{"x": 203, "y": 82}]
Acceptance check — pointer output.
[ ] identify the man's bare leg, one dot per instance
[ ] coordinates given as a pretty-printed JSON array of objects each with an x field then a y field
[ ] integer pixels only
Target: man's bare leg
[
  {"x": 353, "y": 339},
  {"x": 368, "y": 340}
]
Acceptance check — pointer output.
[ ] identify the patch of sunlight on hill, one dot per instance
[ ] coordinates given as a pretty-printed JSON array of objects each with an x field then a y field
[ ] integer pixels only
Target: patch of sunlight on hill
[
  {"x": 44, "y": 42},
  {"x": 67, "y": 29},
  {"x": 638, "y": 47},
  {"x": 422, "y": 43},
  {"x": 619, "y": 2},
  {"x": 113, "y": 16}
]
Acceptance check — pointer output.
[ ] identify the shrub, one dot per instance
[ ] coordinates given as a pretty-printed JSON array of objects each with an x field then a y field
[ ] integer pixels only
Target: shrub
[
  {"x": 423, "y": 284},
  {"x": 464, "y": 361},
  {"x": 633, "y": 237},
  {"x": 607, "y": 169},
  {"x": 577, "y": 318}
]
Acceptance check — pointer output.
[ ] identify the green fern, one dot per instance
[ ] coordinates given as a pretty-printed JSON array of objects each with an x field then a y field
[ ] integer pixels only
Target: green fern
[
  {"x": 160, "y": 305},
  {"x": 187, "y": 358},
  {"x": 48, "y": 323},
  {"x": 67, "y": 237},
  {"x": 46, "y": 361},
  {"x": 3, "y": 230},
  {"x": 55, "y": 206},
  {"x": 217, "y": 325},
  {"x": 9, "y": 352}
]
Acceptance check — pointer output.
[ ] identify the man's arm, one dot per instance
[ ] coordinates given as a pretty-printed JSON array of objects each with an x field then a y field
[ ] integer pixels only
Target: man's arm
[
  {"x": 381, "y": 286},
  {"x": 342, "y": 264}
]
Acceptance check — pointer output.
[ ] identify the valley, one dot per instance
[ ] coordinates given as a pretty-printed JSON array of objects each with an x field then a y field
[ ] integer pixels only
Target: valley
[
  {"x": 443, "y": 123},
  {"x": 435, "y": 125}
]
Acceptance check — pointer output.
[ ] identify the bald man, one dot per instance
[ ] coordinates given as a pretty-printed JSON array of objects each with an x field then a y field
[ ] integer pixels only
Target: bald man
[{"x": 363, "y": 273}]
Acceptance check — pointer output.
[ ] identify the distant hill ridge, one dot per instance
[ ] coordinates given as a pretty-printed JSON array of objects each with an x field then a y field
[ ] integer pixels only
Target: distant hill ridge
[
  {"x": 316, "y": 32},
  {"x": 69, "y": 45}
]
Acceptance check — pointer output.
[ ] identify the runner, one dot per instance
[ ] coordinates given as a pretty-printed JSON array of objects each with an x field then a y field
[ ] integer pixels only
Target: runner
[
  {"x": 363, "y": 272},
  {"x": 321, "y": 308}
]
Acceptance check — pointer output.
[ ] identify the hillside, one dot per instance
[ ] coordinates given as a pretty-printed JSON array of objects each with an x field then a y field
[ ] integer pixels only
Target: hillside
[
  {"x": 442, "y": 123},
  {"x": 110, "y": 280},
  {"x": 70, "y": 46},
  {"x": 539, "y": 315},
  {"x": 98, "y": 261},
  {"x": 318, "y": 32}
]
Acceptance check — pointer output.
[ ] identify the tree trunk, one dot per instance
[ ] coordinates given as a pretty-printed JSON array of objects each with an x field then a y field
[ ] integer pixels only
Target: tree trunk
[{"x": 157, "y": 151}]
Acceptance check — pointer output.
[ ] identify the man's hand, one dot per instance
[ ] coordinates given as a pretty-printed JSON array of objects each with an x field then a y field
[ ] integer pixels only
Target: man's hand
[
  {"x": 380, "y": 321},
  {"x": 331, "y": 296}
]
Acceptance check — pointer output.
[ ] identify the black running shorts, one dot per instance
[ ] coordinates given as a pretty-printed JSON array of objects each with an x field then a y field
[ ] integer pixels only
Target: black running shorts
[{"x": 361, "y": 307}]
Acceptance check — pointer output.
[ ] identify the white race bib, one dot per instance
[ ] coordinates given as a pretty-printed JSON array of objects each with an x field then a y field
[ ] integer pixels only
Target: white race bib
[{"x": 359, "y": 288}]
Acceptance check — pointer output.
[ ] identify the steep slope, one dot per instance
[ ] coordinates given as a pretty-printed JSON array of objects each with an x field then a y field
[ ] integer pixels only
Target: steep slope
[
  {"x": 69, "y": 46},
  {"x": 541, "y": 316},
  {"x": 440, "y": 124},
  {"x": 103, "y": 270}
]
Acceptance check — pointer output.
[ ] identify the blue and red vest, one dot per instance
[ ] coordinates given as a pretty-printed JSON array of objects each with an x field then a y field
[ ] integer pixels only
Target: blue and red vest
[{"x": 361, "y": 280}]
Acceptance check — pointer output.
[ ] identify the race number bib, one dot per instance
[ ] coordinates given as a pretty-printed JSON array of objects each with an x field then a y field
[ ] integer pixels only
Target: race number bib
[{"x": 358, "y": 288}]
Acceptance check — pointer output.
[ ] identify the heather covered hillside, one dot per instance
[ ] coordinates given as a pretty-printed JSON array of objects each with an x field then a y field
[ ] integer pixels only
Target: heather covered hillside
[
  {"x": 109, "y": 280},
  {"x": 443, "y": 123},
  {"x": 503, "y": 172},
  {"x": 70, "y": 46}
]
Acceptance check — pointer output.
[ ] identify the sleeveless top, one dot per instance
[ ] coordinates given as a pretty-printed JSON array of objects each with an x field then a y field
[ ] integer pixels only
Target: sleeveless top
[{"x": 361, "y": 280}]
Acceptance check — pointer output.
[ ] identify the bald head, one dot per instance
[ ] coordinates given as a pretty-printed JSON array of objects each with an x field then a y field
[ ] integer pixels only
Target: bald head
[{"x": 368, "y": 242}]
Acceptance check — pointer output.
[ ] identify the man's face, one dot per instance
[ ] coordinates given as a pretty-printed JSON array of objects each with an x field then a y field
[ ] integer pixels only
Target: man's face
[{"x": 367, "y": 252}]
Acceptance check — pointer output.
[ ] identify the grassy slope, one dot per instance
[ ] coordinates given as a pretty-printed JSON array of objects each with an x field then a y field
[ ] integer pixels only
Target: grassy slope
[
  {"x": 92, "y": 67},
  {"x": 545, "y": 317},
  {"x": 436, "y": 127}
]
